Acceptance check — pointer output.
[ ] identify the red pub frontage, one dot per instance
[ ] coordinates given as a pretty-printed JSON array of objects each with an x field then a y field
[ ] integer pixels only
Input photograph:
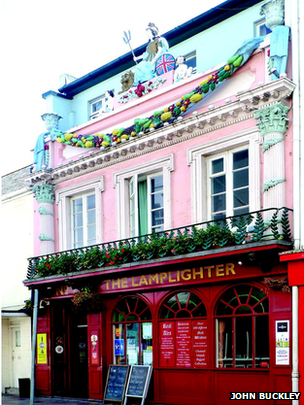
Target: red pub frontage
[{"x": 209, "y": 325}]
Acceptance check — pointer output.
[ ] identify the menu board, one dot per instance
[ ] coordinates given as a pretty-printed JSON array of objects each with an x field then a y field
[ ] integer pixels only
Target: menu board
[
  {"x": 200, "y": 343},
  {"x": 138, "y": 382},
  {"x": 183, "y": 343},
  {"x": 116, "y": 383},
  {"x": 167, "y": 346}
]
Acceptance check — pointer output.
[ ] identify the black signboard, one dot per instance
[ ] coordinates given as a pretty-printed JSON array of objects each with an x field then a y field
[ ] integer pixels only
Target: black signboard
[
  {"x": 138, "y": 382},
  {"x": 116, "y": 383}
]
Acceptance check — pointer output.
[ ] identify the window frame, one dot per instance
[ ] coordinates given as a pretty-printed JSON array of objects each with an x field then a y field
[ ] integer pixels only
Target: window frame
[
  {"x": 63, "y": 200},
  {"x": 84, "y": 213},
  {"x": 95, "y": 114},
  {"x": 191, "y": 55},
  {"x": 133, "y": 196},
  {"x": 197, "y": 160},
  {"x": 176, "y": 320},
  {"x": 234, "y": 317},
  {"x": 163, "y": 165},
  {"x": 124, "y": 324},
  {"x": 102, "y": 99},
  {"x": 228, "y": 171},
  {"x": 257, "y": 26}
]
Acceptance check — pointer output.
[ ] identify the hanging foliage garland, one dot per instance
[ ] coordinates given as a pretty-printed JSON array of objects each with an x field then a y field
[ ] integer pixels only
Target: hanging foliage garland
[{"x": 169, "y": 114}]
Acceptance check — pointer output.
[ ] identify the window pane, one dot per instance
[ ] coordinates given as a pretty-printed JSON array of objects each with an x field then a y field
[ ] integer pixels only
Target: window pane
[
  {"x": 91, "y": 217},
  {"x": 119, "y": 344},
  {"x": 91, "y": 234},
  {"x": 146, "y": 343},
  {"x": 183, "y": 298},
  {"x": 132, "y": 343},
  {"x": 218, "y": 184},
  {"x": 241, "y": 178},
  {"x": 157, "y": 217},
  {"x": 217, "y": 166},
  {"x": 156, "y": 183},
  {"x": 91, "y": 202},
  {"x": 78, "y": 235},
  {"x": 218, "y": 203},
  {"x": 262, "y": 341},
  {"x": 77, "y": 205},
  {"x": 191, "y": 61},
  {"x": 78, "y": 220},
  {"x": 157, "y": 200},
  {"x": 240, "y": 159},
  {"x": 241, "y": 211},
  {"x": 224, "y": 343},
  {"x": 240, "y": 198},
  {"x": 18, "y": 338},
  {"x": 96, "y": 106},
  {"x": 243, "y": 341}
]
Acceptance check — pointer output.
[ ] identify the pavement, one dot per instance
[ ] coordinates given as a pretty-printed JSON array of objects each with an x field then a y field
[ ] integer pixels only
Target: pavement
[{"x": 16, "y": 400}]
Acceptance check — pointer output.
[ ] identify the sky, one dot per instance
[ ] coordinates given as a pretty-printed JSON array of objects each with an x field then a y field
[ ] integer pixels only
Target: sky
[{"x": 43, "y": 39}]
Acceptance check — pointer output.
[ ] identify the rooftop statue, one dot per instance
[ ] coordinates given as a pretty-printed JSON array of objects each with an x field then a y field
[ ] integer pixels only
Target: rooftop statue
[
  {"x": 273, "y": 10},
  {"x": 156, "y": 47},
  {"x": 182, "y": 71},
  {"x": 109, "y": 104}
]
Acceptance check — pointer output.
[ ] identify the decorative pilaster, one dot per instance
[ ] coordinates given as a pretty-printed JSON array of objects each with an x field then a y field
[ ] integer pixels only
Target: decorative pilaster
[
  {"x": 273, "y": 125},
  {"x": 44, "y": 194}
]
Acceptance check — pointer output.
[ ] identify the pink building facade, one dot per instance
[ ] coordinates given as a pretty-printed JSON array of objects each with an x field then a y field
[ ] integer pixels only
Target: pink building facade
[{"x": 159, "y": 230}]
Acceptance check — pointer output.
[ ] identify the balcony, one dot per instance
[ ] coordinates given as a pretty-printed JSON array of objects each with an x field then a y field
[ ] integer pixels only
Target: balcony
[{"x": 241, "y": 234}]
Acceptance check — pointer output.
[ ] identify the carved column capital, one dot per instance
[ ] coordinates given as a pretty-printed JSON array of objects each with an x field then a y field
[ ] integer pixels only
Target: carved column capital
[
  {"x": 273, "y": 119},
  {"x": 51, "y": 121},
  {"x": 44, "y": 193},
  {"x": 274, "y": 13}
]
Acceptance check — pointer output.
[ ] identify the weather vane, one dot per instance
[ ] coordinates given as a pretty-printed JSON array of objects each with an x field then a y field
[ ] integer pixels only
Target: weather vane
[{"x": 127, "y": 39}]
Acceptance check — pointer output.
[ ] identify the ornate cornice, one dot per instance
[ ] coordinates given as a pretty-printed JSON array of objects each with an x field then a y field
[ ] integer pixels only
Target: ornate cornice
[{"x": 185, "y": 128}]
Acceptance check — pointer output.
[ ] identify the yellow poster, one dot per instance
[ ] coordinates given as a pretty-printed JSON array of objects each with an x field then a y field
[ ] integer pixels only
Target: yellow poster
[{"x": 41, "y": 348}]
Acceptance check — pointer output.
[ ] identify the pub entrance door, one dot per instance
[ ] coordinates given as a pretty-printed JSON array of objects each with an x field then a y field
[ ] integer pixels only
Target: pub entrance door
[
  {"x": 70, "y": 355},
  {"x": 79, "y": 361}
]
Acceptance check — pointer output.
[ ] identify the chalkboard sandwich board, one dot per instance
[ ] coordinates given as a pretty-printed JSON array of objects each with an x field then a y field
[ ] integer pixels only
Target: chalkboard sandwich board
[
  {"x": 138, "y": 382},
  {"x": 116, "y": 383}
]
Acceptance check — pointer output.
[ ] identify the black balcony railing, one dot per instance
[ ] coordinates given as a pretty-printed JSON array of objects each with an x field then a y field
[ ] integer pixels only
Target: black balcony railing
[{"x": 258, "y": 226}]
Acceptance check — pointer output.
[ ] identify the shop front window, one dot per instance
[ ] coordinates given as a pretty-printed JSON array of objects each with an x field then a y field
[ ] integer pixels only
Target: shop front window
[
  {"x": 132, "y": 332},
  {"x": 242, "y": 324},
  {"x": 183, "y": 332}
]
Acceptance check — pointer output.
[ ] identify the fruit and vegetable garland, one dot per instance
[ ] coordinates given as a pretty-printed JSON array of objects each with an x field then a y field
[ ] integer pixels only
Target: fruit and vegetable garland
[{"x": 168, "y": 115}]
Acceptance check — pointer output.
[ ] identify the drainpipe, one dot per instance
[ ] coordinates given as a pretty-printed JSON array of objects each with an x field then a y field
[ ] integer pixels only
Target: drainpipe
[
  {"x": 295, "y": 342},
  {"x": 34, "y": 337},
  {"x": 293, "y": 13}
]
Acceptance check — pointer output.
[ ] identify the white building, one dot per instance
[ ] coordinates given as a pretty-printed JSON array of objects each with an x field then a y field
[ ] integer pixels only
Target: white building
[{"x": 17, "y": 245}]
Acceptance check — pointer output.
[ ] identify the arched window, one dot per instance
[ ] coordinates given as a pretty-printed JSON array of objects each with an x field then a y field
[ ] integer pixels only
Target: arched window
[
  {"x": 183, "y": 331},
  {"x": 242, "y": 328},
  {"x": 132, "y": 332}
]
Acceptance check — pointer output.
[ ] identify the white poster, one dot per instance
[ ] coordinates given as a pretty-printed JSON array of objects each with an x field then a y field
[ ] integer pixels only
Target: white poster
[
  {"x": 282, "y": 343},
  {"x": 147, "y": 330}
]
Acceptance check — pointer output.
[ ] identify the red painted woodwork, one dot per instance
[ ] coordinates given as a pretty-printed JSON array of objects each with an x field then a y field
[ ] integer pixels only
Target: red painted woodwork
[
  {"x": 301, "y": 340},
  {"x": 95, "y": 356},
  {"x": 184, "y": 349}
]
